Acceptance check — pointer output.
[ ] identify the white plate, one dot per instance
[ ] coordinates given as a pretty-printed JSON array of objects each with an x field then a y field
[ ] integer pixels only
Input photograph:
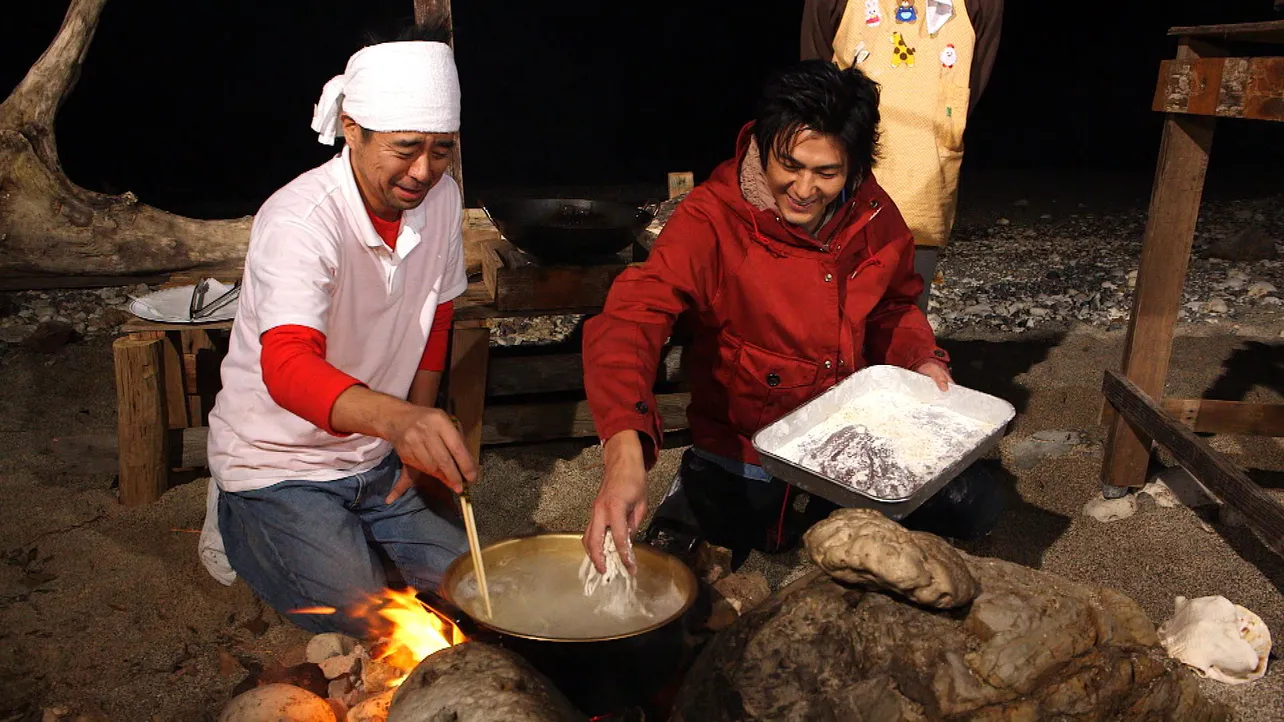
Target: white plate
[{"x": 172, "y": 305}]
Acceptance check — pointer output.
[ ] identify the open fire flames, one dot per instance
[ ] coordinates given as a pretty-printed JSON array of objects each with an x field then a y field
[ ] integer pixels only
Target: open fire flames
[
  {"x": 415, "y": 632},
  {"x": 408, "y": 630}
]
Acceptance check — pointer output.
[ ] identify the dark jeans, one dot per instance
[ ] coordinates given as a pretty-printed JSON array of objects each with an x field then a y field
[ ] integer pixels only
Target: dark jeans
[
  {"x": 728, "y": 510},
  {"x": 311, "y": 543},
  {"x": 925, "y": 265}
]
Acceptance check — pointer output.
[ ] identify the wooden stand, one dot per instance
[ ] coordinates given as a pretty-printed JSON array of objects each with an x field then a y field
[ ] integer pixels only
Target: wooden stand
[
  {"x": 503, "y": 396},
  {"x": 141, "y": 416},
  {"x": 189, "y": 356},
  {"x": 499, "y": 396},
  {"x": 517, "y": 286},
  {"x": 1206, "y": 80}
]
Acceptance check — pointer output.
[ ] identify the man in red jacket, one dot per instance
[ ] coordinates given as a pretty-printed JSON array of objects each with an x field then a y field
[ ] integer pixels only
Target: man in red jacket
[{"x": 794, "y": 269}]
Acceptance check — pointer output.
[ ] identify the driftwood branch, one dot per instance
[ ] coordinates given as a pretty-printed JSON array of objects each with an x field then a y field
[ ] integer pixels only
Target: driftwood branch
[
  {"x": 31, "y": 107},
  {"x": 51, "y": 226},
  {"x": 426, "y": 9}
]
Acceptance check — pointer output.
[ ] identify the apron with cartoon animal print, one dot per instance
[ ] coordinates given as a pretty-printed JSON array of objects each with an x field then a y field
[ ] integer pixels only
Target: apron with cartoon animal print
[{"x": 920, "y": 53}]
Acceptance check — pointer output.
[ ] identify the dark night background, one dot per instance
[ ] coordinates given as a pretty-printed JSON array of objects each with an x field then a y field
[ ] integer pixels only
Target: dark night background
[{"x": 203, "y": 109}]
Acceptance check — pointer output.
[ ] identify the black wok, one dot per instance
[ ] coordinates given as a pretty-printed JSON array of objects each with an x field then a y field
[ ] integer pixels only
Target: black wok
[{"x": 568, "y": 230}]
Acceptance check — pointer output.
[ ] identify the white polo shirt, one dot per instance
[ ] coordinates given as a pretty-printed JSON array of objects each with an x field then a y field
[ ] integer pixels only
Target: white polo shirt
[{"x": 315, "y": 260}]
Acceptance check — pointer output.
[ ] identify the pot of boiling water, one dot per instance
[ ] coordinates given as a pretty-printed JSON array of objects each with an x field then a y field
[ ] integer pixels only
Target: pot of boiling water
[{"x": 605, "y": 653}]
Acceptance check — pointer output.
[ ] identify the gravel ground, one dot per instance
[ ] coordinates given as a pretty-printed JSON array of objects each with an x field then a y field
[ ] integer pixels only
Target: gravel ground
[
  {"x": 1043, "y": 272},
  {"x": 106, "y": 612},
  {"x": 1023, "y": 269}
]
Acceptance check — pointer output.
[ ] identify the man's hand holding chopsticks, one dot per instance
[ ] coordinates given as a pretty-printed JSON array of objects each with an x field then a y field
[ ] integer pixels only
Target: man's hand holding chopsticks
[
  {"x": 425, "y": 438},
  {"x": 428, "y": 441}
]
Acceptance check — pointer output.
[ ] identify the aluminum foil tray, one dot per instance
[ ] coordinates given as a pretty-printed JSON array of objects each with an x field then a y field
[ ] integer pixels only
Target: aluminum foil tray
[{"x": 994, "y": 413}]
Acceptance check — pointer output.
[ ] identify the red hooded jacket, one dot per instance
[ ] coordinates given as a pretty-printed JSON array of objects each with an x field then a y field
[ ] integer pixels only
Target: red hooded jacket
[{"x": 777, "y": 316}]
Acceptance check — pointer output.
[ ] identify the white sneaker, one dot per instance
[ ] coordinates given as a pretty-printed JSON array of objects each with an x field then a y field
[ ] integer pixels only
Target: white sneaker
[{"x": 210, "y": 546}]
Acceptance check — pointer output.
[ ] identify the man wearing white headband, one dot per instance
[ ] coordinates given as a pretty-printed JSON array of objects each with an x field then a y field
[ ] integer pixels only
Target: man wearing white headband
[{"x": 326, "y": 450}]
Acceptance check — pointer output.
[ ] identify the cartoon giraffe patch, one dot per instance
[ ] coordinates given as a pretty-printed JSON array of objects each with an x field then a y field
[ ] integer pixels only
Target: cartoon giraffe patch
[{"x": 903, "y": 52}]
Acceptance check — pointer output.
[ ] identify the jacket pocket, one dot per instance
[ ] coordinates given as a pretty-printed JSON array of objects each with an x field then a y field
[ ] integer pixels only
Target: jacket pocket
[
  {"x": 951, "y": 117},
  {"x": 767, "y": 386}
]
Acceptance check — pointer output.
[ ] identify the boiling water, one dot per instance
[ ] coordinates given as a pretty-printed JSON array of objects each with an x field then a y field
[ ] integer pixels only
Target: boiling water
[{"x": 544, "y": 597}]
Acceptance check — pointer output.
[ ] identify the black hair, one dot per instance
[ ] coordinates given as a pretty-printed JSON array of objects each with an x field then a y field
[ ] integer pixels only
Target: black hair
[
  {"x": 816, "y": 95},
  {"x": 433, "y": 29}
]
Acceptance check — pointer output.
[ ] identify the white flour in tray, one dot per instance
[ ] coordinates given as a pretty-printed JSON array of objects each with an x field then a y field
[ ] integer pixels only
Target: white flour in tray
[{"x": 886, "y": 444}]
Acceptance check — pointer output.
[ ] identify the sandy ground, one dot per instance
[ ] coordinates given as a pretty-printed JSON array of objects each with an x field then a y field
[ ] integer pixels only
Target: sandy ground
[{"x": 105, "y": 611}]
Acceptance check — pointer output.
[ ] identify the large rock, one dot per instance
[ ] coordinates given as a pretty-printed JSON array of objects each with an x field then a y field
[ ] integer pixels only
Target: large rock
[
  {"x": 475, "y": 682},
  {"x": 865, "y": 548},
  {"x": 277, "y": 703},
  {"x": 1031, "y": 646}
]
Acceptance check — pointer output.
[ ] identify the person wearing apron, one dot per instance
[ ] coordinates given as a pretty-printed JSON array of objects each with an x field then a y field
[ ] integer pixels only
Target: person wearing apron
[{"x": 932, "y": 59}]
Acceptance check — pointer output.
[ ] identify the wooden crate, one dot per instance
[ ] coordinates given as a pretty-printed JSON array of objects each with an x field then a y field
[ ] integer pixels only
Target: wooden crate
[{"x": 516, "y": 287}]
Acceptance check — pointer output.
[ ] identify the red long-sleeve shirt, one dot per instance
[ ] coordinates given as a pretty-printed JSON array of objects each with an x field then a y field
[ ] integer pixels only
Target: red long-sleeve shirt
[{"x": 300, "y": 380}]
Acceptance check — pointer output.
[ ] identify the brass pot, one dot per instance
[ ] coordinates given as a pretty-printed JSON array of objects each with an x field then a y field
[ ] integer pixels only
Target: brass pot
[{"x": 602, "y": 675}]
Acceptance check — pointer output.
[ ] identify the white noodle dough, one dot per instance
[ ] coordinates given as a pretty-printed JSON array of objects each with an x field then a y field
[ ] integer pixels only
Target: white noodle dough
[{"x": 619, "y": 587}]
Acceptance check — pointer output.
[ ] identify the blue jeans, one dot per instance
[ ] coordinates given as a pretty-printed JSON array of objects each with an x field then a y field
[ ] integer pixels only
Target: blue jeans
[{"x": 311, "y": 543}]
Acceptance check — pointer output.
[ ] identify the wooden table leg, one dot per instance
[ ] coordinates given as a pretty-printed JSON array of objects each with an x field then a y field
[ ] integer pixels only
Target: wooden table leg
[
  {"x": 466, "y": 382},
  {"x": 1165, "y": 255},
  {"x": 201, "y": 367},
  {"x": 143, "y": 436},
  {"x": 175, "y": 394}
]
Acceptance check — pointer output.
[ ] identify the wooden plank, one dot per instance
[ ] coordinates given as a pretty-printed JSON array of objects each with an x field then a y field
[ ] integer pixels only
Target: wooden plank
[
  {"x": 1212, "y": 416},
  {"x": 1271, "y": 31},
  {"x": 1265, "y": 98},
  {"x": 139, "y": 325},
  {"x": 552, "y": 373},
  {"x": 190, "y": 383},
  {"x": 44, "y": 283},
  {"x": 142, "y": 436},
  {"x": 1206, "y": 88},
  {"x": 548, "y": 287},
  {"x": 524, "y": 423},
  {"x": 491, "y": 265},
  {"x": 225, "y": 273},
  {"x": 466, "y": 382},
  {"x": 202, "y": 360},
  {"x": 474, "y": 309},
  {"x": 1172, "y": 91},
  {"x": 1165, "y": 255},
  {"x": 1249, "y": 88},
  {"x": 175, "y": 394},
  {"x": 504, "y": 424},
  {"x": 1264, "y": 515},
  {"x": 479, "y": 231}
]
